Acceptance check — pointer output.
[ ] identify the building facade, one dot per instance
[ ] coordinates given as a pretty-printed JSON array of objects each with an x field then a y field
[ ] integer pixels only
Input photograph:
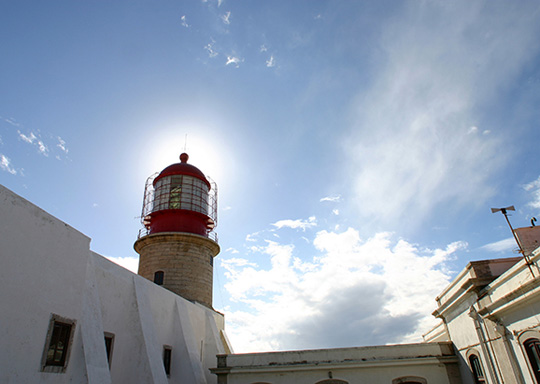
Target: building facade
[
  {"x": 71, "y": 316},
  {"x": 491, "y": 314}
]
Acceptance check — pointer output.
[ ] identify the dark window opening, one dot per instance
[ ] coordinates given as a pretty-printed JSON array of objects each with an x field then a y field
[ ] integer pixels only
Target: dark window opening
[
  {"x": 532, "y": 347},
  {"x": 109, "y": 343},
  {"x": 158, "y": 277},
  {"x": 59, "y": 344},
  {"x": 167, "y": 352},
  {"x": 476, "y": 367}
]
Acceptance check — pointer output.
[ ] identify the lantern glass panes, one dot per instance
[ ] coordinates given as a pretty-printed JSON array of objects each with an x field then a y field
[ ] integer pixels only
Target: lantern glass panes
[{"x": 181, "y": 192}]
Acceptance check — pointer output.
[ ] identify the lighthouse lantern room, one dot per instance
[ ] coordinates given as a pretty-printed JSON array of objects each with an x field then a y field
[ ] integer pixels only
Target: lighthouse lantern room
[{"x": 180, "y": 199}]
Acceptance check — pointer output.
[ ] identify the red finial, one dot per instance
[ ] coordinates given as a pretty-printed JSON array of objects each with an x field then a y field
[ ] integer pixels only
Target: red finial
[{"x": 184, "y": 157}]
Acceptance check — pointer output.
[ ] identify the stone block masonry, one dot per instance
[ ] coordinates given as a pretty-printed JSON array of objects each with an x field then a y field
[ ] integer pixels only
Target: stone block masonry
[{"x": 185, "y": 259}]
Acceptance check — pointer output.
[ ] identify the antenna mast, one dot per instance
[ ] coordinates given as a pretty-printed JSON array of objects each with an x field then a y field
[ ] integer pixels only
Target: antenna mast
[{"x": 505, "y": 213}]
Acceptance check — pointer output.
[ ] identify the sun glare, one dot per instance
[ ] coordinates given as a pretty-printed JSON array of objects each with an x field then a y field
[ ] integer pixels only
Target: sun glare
[{"x": 202, "y": 148}]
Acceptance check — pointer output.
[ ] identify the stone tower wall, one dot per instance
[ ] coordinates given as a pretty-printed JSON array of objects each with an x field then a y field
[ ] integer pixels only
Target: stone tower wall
[{"x": 185, "y": 259}]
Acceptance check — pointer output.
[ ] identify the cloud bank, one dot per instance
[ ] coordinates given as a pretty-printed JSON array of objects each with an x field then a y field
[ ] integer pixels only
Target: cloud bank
[{"x": 353, "y": 292}]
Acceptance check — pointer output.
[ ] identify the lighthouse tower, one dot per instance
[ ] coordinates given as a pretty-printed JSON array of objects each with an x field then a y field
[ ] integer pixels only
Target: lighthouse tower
[{"x": 178, "y": 244}]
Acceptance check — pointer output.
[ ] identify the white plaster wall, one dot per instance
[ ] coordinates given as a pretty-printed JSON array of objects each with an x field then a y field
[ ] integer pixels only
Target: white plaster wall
[
  {"x": 382, "y": 375},
  {"x": 460, "y": 325},
  {"x": 523, "y": 318},
  {"x": 43, "y": 271},
  {"x": 120, "y": 317},
  {"x": 380, "y": 364},
  {"x": 47, "y": 267}
]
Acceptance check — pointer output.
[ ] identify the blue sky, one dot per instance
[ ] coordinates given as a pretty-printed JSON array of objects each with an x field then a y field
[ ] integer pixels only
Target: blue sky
[{"x": 357, "y": 146}]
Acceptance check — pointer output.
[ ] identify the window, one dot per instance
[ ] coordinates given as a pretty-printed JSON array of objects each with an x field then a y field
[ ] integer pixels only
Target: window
[
  {"x": 409, "y": 380},
  {"x": 158, "y": 277},
  {"x": 167, "y": 352},
  {"x": 57, "y": 345},
  {"x": 532, "y": 347},
  {"x": 109, "y": 343},
  {"x": 477, "y": 371},
  {"x": 181, "y": 192},
  {"x": 176, "y": 194}
]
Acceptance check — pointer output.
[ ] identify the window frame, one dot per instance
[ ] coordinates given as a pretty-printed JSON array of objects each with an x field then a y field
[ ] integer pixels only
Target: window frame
[
  {"x": 475, "y": 362},
  {"x": 46, "y": 366},
  {"x": 167, "y": 359},
  {"x": 533, "y": 365}
]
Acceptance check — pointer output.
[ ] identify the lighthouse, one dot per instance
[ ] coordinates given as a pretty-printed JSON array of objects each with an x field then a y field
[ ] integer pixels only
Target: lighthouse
[{"x": 177, "y": 243}]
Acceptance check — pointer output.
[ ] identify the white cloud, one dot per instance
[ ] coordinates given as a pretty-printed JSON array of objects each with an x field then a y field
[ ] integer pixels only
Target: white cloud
[
  {"x": 229, "y": 264},
  {"x": 334, "y": 198},
  {"x": 501, "y": 245},
  {"x": 232, "y": 250},
  {"x": 534, "y": 188},
  {"x": 296, "y": 224},
  {"x": 251, "y": 236},
  {"x": 183, "y": 21},
  {"x": 335, "y": 212},
  {"x": 226, "y": 18},
  {"x": 234, "y": 61},
  {"x": 5, "y": 165},
  {"x": 413, "y": 150},
  {"x": 382, "y": 287},
  {"x": 10, "y": 121},
  {"x": 271, "y": 62},
  {"x": 42, "y": 148},
  {"x": 28, "y": 139},
  {"x": 129, "y": 263},
  {"x": 33, "y": 139},
  {"x": 210, "y": 48},
  {"x": 263, "y": 48},
  {"x": 62, "y": 145}
]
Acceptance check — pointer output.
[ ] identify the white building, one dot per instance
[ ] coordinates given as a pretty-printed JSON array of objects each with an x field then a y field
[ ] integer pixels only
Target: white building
[
  {"x": 70, "y": 315},
  {"x": 491, "y": 313},
  {"x": 51, "y": 279}
]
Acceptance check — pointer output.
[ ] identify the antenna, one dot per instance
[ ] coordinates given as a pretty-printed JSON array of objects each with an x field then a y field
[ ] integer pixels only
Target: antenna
[{"x": 505, "y": 213}]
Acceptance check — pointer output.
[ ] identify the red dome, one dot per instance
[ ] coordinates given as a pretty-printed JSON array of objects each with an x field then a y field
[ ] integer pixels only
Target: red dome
[{"x": 183, "y": 168}]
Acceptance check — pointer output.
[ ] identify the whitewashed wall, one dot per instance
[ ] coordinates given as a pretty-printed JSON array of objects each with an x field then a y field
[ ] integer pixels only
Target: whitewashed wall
[
  {"x": 47, "y": 268},
  {"x": 431, "y": 363}
]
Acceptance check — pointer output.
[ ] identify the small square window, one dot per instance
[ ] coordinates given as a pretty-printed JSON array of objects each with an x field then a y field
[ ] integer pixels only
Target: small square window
[
  {"x": 57, "y": 344},
  {"x": 167, "y": 353}
]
